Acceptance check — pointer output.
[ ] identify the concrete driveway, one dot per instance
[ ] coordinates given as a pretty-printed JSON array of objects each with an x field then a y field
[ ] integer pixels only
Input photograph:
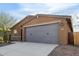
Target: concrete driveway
[{"x": 27, "y": 49}]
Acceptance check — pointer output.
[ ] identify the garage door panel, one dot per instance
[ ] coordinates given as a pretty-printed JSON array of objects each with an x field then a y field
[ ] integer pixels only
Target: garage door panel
[{"x": 43, "y": 34}]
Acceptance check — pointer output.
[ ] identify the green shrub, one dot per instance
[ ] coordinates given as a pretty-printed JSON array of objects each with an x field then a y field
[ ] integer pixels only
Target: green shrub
[{"x": 4, "y": 37}]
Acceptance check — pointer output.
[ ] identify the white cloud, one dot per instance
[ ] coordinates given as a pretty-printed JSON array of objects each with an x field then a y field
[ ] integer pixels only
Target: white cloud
[
  {"x": 58, "y": 7},
  {"x": 39, "y": 8},
  {"x": 31, "y": 10},
  {"x": 53, "y": 8}
]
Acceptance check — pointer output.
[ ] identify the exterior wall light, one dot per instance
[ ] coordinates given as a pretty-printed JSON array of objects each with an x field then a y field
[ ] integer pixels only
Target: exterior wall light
[
  {"x": 37, "y": 17},
  {"x": 15, "y": 31}
]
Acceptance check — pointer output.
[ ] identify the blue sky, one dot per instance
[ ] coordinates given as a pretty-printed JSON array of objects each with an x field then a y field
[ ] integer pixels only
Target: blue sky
[{"x": 19, "y": 11}]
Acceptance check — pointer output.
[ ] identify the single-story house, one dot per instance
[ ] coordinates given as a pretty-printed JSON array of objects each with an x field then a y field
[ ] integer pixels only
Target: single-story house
[{"x": 43, "y": 28}]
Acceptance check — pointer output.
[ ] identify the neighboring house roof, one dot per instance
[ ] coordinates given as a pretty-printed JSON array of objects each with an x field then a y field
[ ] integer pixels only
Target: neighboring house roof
[{"x": 29, "y": 18}]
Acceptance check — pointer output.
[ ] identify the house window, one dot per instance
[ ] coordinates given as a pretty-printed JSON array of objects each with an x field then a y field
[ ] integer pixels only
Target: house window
[{"x": 15, "y": 31}]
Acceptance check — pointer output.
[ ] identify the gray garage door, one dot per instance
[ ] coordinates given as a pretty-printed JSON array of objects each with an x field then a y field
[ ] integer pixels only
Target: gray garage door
[{"x": 43, "y": 34}]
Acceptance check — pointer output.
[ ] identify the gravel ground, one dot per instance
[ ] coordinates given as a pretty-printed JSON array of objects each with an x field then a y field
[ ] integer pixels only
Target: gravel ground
[{"x": 67, "y": 50}]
